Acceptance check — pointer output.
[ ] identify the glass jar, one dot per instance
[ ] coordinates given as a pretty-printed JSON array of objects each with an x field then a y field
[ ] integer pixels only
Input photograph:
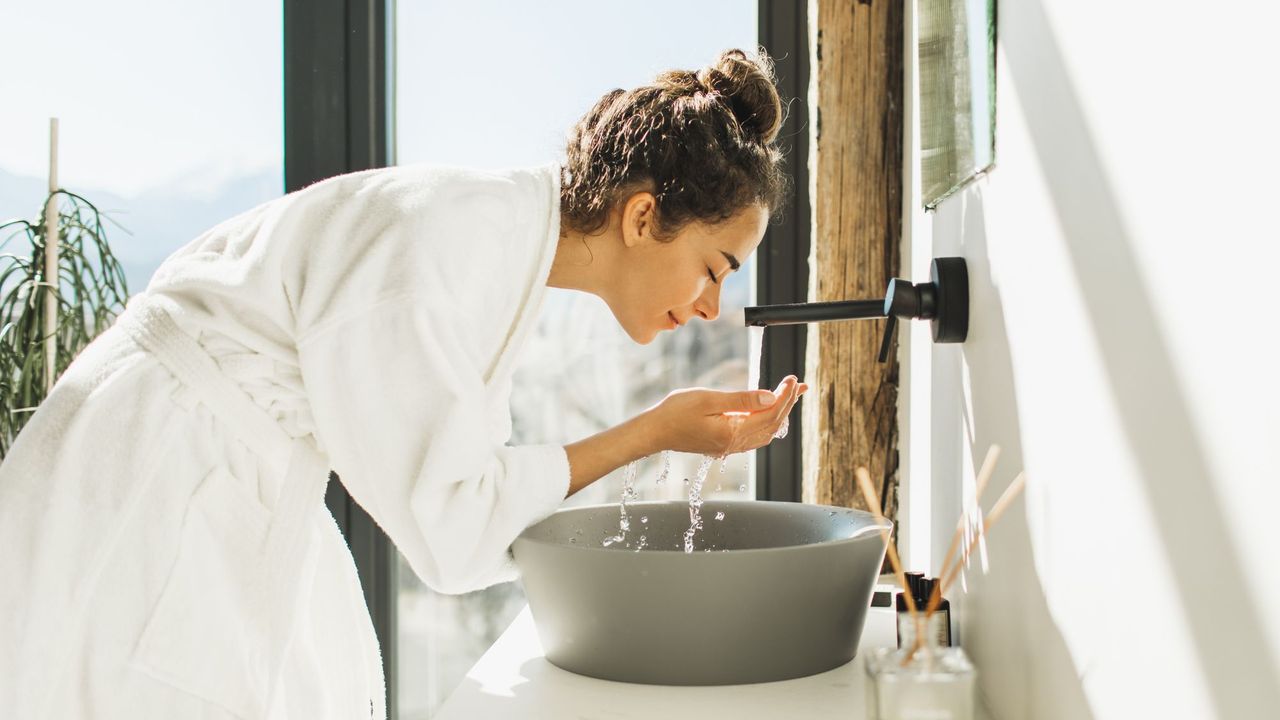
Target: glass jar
[{"x": 936, "y": 683}]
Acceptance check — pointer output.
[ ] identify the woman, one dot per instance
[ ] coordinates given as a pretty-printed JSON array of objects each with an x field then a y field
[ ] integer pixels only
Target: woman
[{"x": 164, "y": 543}]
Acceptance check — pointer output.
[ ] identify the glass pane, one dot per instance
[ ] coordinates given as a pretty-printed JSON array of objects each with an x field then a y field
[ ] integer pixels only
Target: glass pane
[
  {"x": 957, "y": 93},
  {"x": 170, "y": 114},
  {"x": 491, "y": 84}
]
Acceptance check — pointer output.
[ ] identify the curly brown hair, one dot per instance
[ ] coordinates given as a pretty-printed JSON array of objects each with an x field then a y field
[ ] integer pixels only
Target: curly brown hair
[{"x": 703, "y": 142}]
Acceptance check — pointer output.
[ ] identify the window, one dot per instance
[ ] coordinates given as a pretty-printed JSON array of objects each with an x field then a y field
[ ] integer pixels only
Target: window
[
  {"x": 493, "y": 84},
  {"x": 170, "y": 115}
]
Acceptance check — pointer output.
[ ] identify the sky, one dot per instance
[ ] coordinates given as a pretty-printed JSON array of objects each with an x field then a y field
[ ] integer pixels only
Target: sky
[
  {"x": 171, "y": 113},
  {"x": 186, "y": 95},
  {"x": 500, "y": 81},
  {"x": 181, "y": 94}
]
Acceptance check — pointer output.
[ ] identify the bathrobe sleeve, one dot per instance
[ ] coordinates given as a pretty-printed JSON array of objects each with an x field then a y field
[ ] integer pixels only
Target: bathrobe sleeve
[{"x": 419, "y": 439}]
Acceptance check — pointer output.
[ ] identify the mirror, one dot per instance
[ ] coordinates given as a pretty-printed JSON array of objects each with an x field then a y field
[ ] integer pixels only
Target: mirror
[{"x": 956, "y": 55}]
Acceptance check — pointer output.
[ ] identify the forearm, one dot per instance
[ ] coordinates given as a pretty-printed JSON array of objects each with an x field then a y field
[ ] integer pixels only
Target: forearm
[{"x": 604, "y": 452}]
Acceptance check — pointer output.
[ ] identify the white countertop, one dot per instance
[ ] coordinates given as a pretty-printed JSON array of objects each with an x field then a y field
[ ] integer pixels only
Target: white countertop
[{"x": 514, "y": 680}]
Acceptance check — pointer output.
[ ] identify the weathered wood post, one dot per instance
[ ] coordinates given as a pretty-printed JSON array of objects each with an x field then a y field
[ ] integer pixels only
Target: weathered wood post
[{"x": 856, "y": 159}]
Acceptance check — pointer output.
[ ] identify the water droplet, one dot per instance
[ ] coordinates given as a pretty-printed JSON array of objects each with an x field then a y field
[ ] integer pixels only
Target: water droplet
[
  {"x": 573, "y": 540},
  {"x": 644, "y": 518},
  {"x": 578, "y": 531},
  {"x": 720, "y": 516},
  {"x": 742, "y": 487},
  {"x": 782, "y": 430}
]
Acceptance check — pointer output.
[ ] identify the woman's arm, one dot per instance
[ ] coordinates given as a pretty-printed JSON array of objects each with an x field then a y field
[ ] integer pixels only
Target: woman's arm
[
  {"x": 702, "y": 421},
  {"x": 594, "y": 457}
]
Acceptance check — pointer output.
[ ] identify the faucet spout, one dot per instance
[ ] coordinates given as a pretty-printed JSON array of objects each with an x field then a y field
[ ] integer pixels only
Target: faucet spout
[
  {"x": 943, "y": 301},
  {"x": 799, "y": 313}
]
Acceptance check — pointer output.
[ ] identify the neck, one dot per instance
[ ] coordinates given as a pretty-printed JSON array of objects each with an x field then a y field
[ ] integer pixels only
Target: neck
[{"x": 581, "y": 262}]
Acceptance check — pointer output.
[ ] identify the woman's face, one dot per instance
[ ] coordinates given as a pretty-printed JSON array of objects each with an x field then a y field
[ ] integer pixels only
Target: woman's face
[{"x": 663, "y": 284}]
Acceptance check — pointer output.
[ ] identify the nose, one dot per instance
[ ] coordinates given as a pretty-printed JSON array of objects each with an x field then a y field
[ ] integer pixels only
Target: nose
[{"x": 707, "y": 306}]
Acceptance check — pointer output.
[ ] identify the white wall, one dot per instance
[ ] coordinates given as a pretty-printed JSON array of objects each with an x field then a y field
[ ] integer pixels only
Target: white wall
[{"x": 1125, "y": 269}]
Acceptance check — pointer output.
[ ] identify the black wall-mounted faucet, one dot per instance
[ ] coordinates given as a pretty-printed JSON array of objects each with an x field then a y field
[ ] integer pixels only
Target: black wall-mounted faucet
[{"x": 944, "y": 301}]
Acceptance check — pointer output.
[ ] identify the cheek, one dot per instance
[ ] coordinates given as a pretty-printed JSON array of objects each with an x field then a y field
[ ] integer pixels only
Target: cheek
[{"x": 664, "y": 286}]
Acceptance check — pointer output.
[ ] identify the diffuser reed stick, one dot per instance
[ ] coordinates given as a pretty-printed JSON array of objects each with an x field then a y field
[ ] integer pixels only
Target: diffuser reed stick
[
  {"x": 869, "y": 496},
  {"x": 948, "y": 579}
]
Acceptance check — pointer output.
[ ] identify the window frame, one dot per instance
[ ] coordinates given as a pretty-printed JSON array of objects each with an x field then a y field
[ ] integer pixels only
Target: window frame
[{"x": 337, "y": 119}]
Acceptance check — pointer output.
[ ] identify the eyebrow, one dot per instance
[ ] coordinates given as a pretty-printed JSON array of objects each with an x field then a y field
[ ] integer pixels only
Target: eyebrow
[{"x": 733, "y": 261}]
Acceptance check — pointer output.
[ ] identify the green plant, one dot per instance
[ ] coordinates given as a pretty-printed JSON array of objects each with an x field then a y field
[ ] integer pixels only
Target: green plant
[{"x": 91, "y": 291}]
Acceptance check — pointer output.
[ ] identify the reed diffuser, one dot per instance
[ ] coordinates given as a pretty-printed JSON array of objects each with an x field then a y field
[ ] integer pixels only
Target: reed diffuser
[{"x": 922, "y": 678}]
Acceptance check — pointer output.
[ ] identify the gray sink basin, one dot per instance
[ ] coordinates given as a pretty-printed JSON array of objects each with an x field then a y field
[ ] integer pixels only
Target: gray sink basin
[{"x": 772, "y": 591}]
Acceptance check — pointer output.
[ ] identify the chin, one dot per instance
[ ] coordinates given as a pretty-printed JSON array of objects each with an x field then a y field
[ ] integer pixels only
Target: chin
[
  {"x": 644, "y": 337},
  {"x": 641, "y": 335}
]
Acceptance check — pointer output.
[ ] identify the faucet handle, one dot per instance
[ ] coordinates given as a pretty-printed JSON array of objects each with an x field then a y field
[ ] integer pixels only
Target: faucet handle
[
  {"x": 902, "y": 298},
  {"x": 909, "y": 300},
  {"x": 944, "y": 301},
  {"x": 891, "y": 322}
]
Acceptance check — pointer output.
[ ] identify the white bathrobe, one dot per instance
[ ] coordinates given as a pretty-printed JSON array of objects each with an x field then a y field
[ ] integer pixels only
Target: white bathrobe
[{"x": 156, "y": 561}]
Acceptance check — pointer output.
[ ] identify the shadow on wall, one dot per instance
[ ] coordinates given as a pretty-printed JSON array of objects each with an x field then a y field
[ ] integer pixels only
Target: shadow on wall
[
  {"x": 1151, "y": 404},
  {"x": 992, "y": 417}
]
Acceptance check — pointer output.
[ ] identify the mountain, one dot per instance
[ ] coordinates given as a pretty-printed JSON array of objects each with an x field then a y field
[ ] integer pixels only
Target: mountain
[{"x": 159, "y": 220}]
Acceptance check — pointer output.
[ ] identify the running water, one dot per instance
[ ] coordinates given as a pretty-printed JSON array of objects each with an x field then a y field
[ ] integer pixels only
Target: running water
[
  {"x": 628, "y": 495},
  {"x": 755, "y": 345},
  {"x": 695, "y": 502}
]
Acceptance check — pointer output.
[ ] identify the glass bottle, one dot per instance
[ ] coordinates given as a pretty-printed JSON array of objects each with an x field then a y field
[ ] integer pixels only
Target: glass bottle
[{"x": 937, "y": 683}]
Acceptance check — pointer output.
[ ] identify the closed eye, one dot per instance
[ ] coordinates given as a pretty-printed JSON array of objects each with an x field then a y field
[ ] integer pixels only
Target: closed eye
[{"x": 712, "y": 276}]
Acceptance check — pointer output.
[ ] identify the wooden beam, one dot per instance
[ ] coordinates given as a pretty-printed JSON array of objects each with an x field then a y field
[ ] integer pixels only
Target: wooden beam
[{"x": 858, "y": 57}]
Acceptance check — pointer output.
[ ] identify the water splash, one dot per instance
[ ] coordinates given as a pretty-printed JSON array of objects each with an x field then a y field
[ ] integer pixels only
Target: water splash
[
  {"x": 666, "y": 466},
  {"x": 782, "y": 429},
  {"x": 720, "y": 515},
  {"x": 628, "y": 495},
  {"x": 695, "y": 503}
]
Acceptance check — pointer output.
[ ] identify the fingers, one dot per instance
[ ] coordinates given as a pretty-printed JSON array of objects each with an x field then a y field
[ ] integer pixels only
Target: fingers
[
  {"x": 718, "y": 402},
  {"x": 760, "y": 428},
  {"x": 787, "y": 393}
]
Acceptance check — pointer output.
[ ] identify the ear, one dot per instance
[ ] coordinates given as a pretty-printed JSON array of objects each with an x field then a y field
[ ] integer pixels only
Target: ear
[{"x": 638, "y": 219}]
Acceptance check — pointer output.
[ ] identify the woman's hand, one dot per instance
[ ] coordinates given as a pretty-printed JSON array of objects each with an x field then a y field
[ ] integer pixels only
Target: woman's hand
[
  {"x": 710, "y": 422},
  {"x": 718, "y": 423}
]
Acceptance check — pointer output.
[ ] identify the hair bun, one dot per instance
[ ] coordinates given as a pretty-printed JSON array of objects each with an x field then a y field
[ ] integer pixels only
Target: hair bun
[{"x": 747, "y": 83}]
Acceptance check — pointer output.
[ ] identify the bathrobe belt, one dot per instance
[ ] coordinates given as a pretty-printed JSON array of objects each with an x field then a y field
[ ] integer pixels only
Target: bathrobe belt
[{"x": 305, "y": 469}]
